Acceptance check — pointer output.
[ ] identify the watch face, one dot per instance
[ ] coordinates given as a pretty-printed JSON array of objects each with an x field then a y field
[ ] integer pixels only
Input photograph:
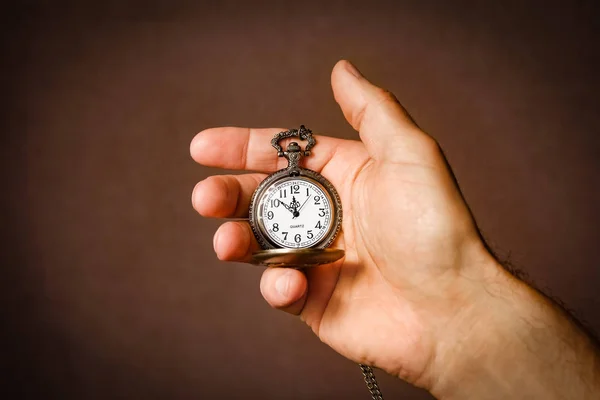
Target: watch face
[{"x": 295, "y": 212}]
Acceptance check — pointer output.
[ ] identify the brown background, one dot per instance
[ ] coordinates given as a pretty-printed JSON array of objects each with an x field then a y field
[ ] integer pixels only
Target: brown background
[{"x": 111, "y": 288}]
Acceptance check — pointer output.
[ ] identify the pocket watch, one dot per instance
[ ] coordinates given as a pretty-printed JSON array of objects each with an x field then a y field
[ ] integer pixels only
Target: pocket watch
[{"x": 295, "y": 213}]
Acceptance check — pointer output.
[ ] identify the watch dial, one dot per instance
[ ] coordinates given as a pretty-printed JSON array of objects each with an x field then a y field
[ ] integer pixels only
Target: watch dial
[{"x": 296, "y": 213}]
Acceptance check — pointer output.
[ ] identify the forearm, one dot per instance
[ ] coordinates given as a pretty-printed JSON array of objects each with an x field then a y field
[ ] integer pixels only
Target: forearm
[{"x": 515, "y": 343}]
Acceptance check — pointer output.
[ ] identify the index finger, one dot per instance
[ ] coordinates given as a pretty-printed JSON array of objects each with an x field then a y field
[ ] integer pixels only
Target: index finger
[{"x": 250, "y": 149}]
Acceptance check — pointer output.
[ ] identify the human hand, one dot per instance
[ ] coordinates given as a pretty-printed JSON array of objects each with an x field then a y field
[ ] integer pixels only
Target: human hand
[
  {"x": 407, "y": 233},
  {"x": 415, "y": 281}
]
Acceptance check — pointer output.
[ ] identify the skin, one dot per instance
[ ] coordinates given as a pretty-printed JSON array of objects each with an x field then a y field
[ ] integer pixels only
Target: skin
[{"x": 418, "y": 294}]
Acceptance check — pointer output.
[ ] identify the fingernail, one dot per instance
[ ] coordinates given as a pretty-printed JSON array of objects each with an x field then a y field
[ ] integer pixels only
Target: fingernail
[
  {"x": 195, "y": 194},
  {"x": 282, "y": 284},
  {"x": 352, "y": 69},
  {"x": 216, "y": 240}
]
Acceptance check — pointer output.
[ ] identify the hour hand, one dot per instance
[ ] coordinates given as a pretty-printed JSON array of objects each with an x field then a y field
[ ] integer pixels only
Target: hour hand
[{"x": 294, "y": 204}]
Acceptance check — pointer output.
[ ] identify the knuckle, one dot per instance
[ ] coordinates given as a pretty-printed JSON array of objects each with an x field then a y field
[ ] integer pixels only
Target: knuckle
[
  {"x": 358, "y": 116},
  {"x": 430, "y": 146},
  {"x": 385, "y": 96}
]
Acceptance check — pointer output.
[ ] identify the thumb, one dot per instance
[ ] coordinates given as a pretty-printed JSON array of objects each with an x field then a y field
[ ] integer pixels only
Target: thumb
[{"x": 385, "y": 127}]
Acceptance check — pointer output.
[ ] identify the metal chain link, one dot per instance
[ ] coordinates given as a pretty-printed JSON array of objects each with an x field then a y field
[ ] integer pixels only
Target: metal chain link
[{"x": 371, "y": 382}]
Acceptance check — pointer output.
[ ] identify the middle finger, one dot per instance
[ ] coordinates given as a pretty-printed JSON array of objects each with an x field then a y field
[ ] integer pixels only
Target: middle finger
[{"x": 225, "y": 196}]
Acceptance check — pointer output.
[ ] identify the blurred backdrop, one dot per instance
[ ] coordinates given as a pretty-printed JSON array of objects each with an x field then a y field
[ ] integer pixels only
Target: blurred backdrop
[{"x": 111, "y": 288}]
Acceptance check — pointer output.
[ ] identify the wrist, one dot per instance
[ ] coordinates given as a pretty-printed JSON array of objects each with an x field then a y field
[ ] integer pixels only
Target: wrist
[
  {"x": 509, "y": 341},
  {"x": 467, "y": 352}
]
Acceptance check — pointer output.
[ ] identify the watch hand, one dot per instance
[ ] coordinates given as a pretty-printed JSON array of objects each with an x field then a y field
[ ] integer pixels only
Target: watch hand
[
  {"x": 286, "y": 206},
  {"x": 295, "y": 205},
  {"x": 305, "y": 201}
]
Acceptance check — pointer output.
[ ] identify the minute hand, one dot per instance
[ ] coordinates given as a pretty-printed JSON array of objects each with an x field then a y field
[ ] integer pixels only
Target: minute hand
[{"x": 302, "y": 206}]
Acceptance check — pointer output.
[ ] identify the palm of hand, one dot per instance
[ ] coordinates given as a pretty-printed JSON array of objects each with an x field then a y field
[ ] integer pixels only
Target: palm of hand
[{"x": 367, "y": 306}]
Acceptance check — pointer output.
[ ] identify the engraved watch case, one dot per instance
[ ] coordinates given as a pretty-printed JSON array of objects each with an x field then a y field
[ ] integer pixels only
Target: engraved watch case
[{"x": 298, "y": 254}]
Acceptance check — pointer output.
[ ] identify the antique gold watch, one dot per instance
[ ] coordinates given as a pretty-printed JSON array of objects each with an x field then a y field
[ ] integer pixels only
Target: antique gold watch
[{"x": 295, "y": 215}]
